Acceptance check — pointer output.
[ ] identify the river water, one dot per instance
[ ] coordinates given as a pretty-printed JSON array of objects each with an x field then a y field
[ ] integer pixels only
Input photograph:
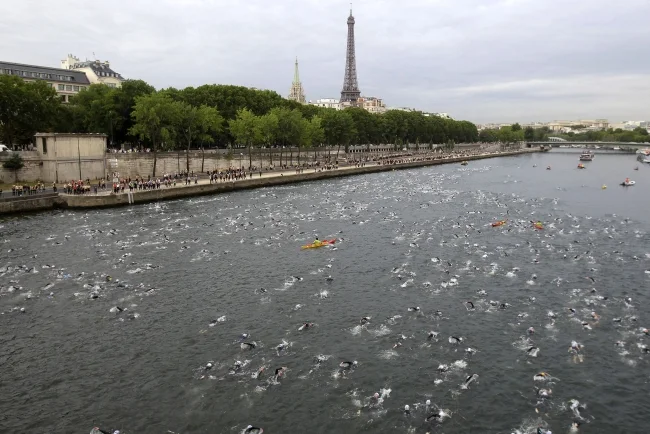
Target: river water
[{"x": 417, "y": 238}]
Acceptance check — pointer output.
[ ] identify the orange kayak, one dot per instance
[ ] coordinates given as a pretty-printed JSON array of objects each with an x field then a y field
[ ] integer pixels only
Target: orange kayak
[
  {"x": 499, "y": 223},
  {"x": 323, "y": 243}
]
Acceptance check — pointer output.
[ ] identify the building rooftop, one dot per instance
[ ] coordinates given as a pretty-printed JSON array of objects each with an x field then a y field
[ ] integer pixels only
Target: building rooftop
[
  {"x": 102, "y": 69},
  {"x": 44, "y": 73}
]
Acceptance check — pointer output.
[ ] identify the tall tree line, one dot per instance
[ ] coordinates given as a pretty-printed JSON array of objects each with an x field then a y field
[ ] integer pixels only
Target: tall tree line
[{"x": 210, "y": 116}]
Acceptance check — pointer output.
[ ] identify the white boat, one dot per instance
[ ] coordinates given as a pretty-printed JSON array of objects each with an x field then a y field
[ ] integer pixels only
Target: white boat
[
  {"x": 586, "y": 156},
  {"x": 628, "y": 183},
  {"x": 616, "y": 148},
  {"x": 645, "y": 151}
]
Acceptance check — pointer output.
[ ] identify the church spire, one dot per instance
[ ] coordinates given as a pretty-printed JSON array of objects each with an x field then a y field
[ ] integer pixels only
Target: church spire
[
  {"x": 297, "y": 93},
  {"x": 296, "y": 75}
]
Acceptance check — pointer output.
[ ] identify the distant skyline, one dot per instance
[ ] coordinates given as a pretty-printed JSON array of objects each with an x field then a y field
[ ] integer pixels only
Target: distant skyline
[{"x": 480, "y": 60}]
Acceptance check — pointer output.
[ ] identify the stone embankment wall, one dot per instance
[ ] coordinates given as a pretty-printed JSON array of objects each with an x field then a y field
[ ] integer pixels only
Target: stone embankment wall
[
  {"x": 25, "y": 204},
  {"x": 65, "y": 167},
  {"x": 141, "y": 164},
  {"x": 30, "y": 172}
]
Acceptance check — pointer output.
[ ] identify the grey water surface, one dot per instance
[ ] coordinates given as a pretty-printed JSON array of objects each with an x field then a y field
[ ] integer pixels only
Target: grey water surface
[{"x": 417, "y": 238}]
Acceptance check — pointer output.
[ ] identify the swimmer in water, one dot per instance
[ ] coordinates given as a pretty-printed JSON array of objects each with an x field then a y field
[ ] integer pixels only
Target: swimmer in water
[
  {"x": 348, "y": 365},
  {"x": 455, "y": 340},
  {"x": 260, "y": 371},
  {"x": 541, "y": 376},
  {"x": 531, "y": 330},
  {"x": 208, "y": 366},
  {"x": 248, "y": 345},
  {"x": 250, "y": 429},
  {"x": 306, "y": 325},
  {"x": 407, "y": 410},
  {"x": 279, "y": 372},
  {"x": 470, "y": 379},
  {"x": 365, "y": 320},
  {"x": 432, "y": 335},
  {"x": 532, "y": 351},
  {"x": 469, "y": 305},
  {"x": 281, "y": 347},
  {"x": 414, "y": 309},
  {"x": 237, "y": 366},
  {"x": 443, "y": 368}
]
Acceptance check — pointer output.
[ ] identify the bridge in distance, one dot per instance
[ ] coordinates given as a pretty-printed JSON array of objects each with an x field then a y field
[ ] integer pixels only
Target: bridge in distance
[{"x": 597, "y": 147}]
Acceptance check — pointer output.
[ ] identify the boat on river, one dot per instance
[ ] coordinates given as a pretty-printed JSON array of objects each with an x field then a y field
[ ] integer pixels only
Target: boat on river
[
  {"x": 321, "y": 244},
  {"x": 586, "y": 155},
  {"x": 645, "y": 152}
]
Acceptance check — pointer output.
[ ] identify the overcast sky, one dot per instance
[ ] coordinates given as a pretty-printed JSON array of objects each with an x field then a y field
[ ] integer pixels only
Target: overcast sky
[{"x": 481, "y": 60}]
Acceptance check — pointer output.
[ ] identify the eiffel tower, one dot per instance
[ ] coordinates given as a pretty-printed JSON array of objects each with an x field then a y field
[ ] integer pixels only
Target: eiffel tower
[
  {"x": 350, "y": 92},
  {"x": 297, "y": 93}
]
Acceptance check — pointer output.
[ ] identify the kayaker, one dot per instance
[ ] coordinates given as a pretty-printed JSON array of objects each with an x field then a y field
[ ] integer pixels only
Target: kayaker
[{"x": 317, "y": 242}]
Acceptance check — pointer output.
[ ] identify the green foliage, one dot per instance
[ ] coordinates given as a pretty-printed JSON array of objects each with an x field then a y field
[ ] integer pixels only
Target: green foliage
[
  {"x": 25, "y": 108},
  {"x": 245, "y": 128},
  {"x": 15, "y": 162},
  {"x": 269, "y": 128},
  {"x": 182, "y": 118},
  {"x": 503, "y": 135}
]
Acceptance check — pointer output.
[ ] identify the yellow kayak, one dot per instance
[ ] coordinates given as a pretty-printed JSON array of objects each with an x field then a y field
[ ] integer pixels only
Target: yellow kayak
[{"x": 323, "y": 243}]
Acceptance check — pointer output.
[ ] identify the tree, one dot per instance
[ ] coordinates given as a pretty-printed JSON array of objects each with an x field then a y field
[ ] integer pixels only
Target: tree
[
  {"x": 154, "y": 118},
  {"x": 25, "y": 109},
  {"x": 338, "y": 128},
  {"x": 197, "y": 123},
  {"x": 268, "y": 128},
  {"x": 14, "y": 163},
  {"x": 529, "y": 134},
  {"x": 245, "y": 129},
  {"x": 515, "y": 127},
  {"x": 314, "y": 132},
  {"x": 95, "y": 111},
  {"x": 124, "y": 103}
]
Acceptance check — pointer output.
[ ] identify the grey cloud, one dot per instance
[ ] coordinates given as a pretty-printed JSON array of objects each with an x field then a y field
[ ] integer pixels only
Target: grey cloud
[{"x": 484, "y": 60}]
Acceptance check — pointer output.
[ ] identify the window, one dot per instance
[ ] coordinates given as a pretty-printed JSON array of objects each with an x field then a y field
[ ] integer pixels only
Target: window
[
  {"x": 63, "y": 98},
  {"x": 76, "y": 88},
  {"x": 68, "y": 87},
  {"x": 111, "y": 84},
  {"x": 70, "y": 98},
  {"x": 61, "y": 87},
  {"x": 34, "y": 74},
  {"x": 44, "y": 145}
]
